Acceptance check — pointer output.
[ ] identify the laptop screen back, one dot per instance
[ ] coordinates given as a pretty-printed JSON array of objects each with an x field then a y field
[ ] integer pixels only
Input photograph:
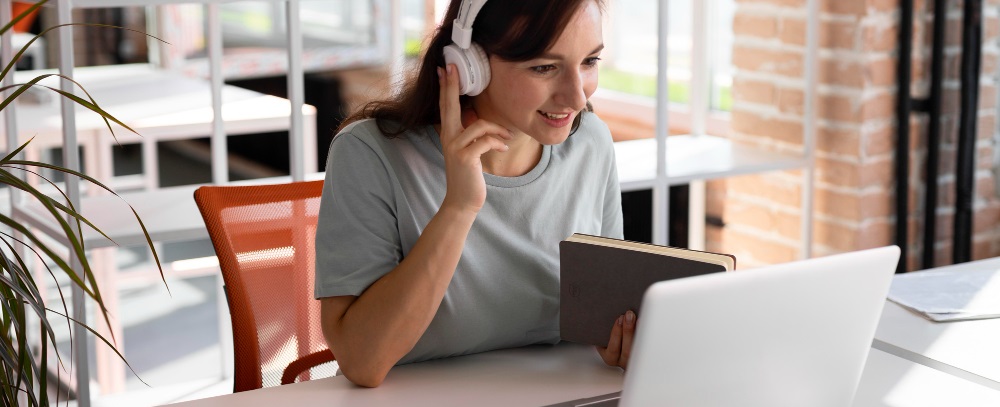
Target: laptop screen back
[{"x": 794, "y": 334}]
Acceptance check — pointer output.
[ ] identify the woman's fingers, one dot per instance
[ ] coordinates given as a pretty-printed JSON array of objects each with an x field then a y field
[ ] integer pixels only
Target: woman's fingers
[
  {"x": 480, "y": 129},
  {"x": 451, "y": 109},
  {"x": 482, "y": 145},
  {"x": 611, "y": 354},
  {"x": 628, "y": 334}
]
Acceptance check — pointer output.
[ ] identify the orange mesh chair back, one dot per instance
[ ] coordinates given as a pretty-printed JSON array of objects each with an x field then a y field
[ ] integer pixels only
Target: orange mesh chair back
[{"x": 263, "y": 236}]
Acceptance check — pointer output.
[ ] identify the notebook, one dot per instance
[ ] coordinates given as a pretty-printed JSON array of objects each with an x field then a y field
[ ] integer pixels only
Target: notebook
[
  {"x": 794, "y": 334},
  {"x": 601, "y": 278}
]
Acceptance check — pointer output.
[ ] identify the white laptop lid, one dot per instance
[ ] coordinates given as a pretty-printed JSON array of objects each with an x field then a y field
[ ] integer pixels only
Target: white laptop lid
[{"x": 793, "y": 334}]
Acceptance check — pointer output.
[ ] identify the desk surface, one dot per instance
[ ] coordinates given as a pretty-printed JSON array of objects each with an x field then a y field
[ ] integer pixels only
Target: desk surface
[
  {"x": 694, "y": 158},
  {"x": 538, "y": 376},
  {"x": 967, "y": 349},
  {"x": 157, "y": 103}
]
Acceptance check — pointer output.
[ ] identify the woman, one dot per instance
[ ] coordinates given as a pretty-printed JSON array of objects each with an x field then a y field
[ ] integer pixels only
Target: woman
[{"x": 440, "y": 223}]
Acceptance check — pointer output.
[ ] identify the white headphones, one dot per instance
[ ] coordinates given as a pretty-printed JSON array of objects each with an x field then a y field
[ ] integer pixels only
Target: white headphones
[{"x": 470, "y": 59}]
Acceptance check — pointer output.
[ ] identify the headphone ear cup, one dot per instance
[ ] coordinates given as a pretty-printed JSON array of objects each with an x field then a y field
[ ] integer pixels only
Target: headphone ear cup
[
  {"x": 473, "y": 67},
  {"x": 453, "y": 55},
  {"x": 480, "y": 64}
]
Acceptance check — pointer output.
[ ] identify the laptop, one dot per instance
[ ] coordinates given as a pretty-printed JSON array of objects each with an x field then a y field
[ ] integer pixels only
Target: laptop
[{"x": 793, "y": 334}]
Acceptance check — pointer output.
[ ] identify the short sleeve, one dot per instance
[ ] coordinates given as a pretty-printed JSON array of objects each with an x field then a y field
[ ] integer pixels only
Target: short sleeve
[
  {"x": 357, "y": 238},
  {"x": 612, "y": 224}
]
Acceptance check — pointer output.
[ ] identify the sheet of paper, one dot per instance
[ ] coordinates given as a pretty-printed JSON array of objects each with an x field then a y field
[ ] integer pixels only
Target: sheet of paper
[{"x": 949, "y": 295}]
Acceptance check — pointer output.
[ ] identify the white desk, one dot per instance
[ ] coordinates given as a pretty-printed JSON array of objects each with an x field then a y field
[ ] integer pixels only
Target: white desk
[
  {"x": 539, "y": 376},
  {"x": 160, "y": 105},
  {"x": 966, "y": 349},
  {"x": 695, "y": 158}
]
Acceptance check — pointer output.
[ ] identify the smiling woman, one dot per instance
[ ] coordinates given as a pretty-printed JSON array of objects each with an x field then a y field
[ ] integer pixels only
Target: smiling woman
[{"x": 442, "y": 212}]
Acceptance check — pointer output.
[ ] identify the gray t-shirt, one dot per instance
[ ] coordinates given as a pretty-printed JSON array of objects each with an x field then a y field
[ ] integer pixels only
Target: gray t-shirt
[{"x": 380, "y": 193}]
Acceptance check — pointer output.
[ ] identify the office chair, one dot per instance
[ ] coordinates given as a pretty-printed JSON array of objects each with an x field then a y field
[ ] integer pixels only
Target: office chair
[{"x": 263, "y": 236}]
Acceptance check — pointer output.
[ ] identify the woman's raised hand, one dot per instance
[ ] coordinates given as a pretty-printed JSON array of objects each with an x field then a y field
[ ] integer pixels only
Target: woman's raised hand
[{"x": 463, "y": 146}]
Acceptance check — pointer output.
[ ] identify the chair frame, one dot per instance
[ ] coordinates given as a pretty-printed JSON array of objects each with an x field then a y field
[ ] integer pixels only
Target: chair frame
[{"x": 212, "y": 200}]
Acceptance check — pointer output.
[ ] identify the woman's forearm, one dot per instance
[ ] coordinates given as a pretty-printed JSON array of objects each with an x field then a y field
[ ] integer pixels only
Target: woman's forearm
[{"x": 373, "y": 332}]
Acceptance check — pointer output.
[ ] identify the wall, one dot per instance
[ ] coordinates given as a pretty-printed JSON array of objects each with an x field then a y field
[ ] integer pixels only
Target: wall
[{"x": 855, "y": 135}]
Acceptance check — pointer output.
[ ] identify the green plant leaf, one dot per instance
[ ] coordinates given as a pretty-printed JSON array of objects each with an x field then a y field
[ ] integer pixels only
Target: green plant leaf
[
  {"x": 48, "y": 252},
  {"x": 21, "y": 270},
  {"x": 16, "y": 151},
  {"x": 69, "y": 210},
  {"x": 19, "y": 354}
]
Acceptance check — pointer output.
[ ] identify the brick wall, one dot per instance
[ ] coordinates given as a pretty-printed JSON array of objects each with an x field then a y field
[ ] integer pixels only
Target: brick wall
[{"x": 855, "y": 136}]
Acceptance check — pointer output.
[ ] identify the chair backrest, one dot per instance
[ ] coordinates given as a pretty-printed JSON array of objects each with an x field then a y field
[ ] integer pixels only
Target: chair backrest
[{"x": 263, "y": 236}]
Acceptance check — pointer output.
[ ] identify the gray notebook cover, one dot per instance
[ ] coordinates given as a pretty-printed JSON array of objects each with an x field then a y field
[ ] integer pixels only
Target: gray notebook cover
[{"x": 599, "y": 283}]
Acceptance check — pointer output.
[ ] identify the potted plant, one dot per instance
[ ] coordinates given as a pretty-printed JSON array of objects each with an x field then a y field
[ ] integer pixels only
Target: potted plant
[{"x": 24, "y": 371}]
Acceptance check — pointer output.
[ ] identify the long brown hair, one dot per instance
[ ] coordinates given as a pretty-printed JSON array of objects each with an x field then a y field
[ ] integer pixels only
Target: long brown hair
[{"x": 513, "y": 30}]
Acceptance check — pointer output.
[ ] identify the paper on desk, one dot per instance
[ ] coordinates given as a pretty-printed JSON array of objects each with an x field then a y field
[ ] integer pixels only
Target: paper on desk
[{"x": 949, "y": 295}]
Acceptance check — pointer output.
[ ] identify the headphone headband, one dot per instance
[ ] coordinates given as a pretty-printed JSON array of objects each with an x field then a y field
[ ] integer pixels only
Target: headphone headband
[{"x": 461, "y": 33}]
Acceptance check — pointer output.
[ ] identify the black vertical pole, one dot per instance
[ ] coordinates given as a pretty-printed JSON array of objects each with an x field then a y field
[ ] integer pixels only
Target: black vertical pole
[
  {"x": 934, "y": 133},
  {"x": 903, "y": 107},
  {"x": 966, "y": 160}
]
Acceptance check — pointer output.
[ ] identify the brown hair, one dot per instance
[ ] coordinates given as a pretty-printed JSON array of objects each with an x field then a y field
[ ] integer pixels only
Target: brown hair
[{"x": 513, "y": 30}]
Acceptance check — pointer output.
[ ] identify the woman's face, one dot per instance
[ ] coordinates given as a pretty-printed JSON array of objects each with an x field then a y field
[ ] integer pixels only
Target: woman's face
[{"x": 542, "y": 96}]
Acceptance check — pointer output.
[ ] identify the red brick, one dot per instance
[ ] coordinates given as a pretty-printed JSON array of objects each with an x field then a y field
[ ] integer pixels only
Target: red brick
[
  {"x": 790, "y": 3},
  {"x": 716, "y": 192},
  {"x": 953, "y": 31},
  {"x": 991, "y": 29},
  {"x": 883, "y": 5},
  {"x": 983, "y": 249},
  {"x": 946, "y": 193},
  {"x": 880, "y": 38},
  {"x": 854, "y": 8},
  {"x": 837, "y": 172},
  {"x": 986, "y": 219},
  {"x": 778, "y": 190},
  {"x": 788, "y": 131},
  {"x": 755, "y": 25},
  {"x": 986, "y": 127},
  {"x": 945, "y": 226},
  {"x": 762, "y": 217},
  {"x": 838, "y": 71},
  {"x": 877, "y": 204},
  {"x": 880, "y": 142},
  {"x": 984, "y": 158},
  {"x": 791, "y": 101},
  {"x": 836, "y": 235},
  {"x": 987, "y": 96},
  {"x": 838, "y": 204},
  {"x": 766, "y": 60},
  {"x": 753, "y": 91},
  {"x": 838, "y": 141},
  {"x": 753, "y": 251},
  {"x": 838, "y": 108},
  {"x": 792, "y": 31},
  {"x": 880, "y": 107},
  {"x": 838, "y": 35},
  {"x": 877, "y": 174},
  {"x": 881, "y": 72},
  {"x": 876, "y": 234},
  {"x": 990, "y": 63}
]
